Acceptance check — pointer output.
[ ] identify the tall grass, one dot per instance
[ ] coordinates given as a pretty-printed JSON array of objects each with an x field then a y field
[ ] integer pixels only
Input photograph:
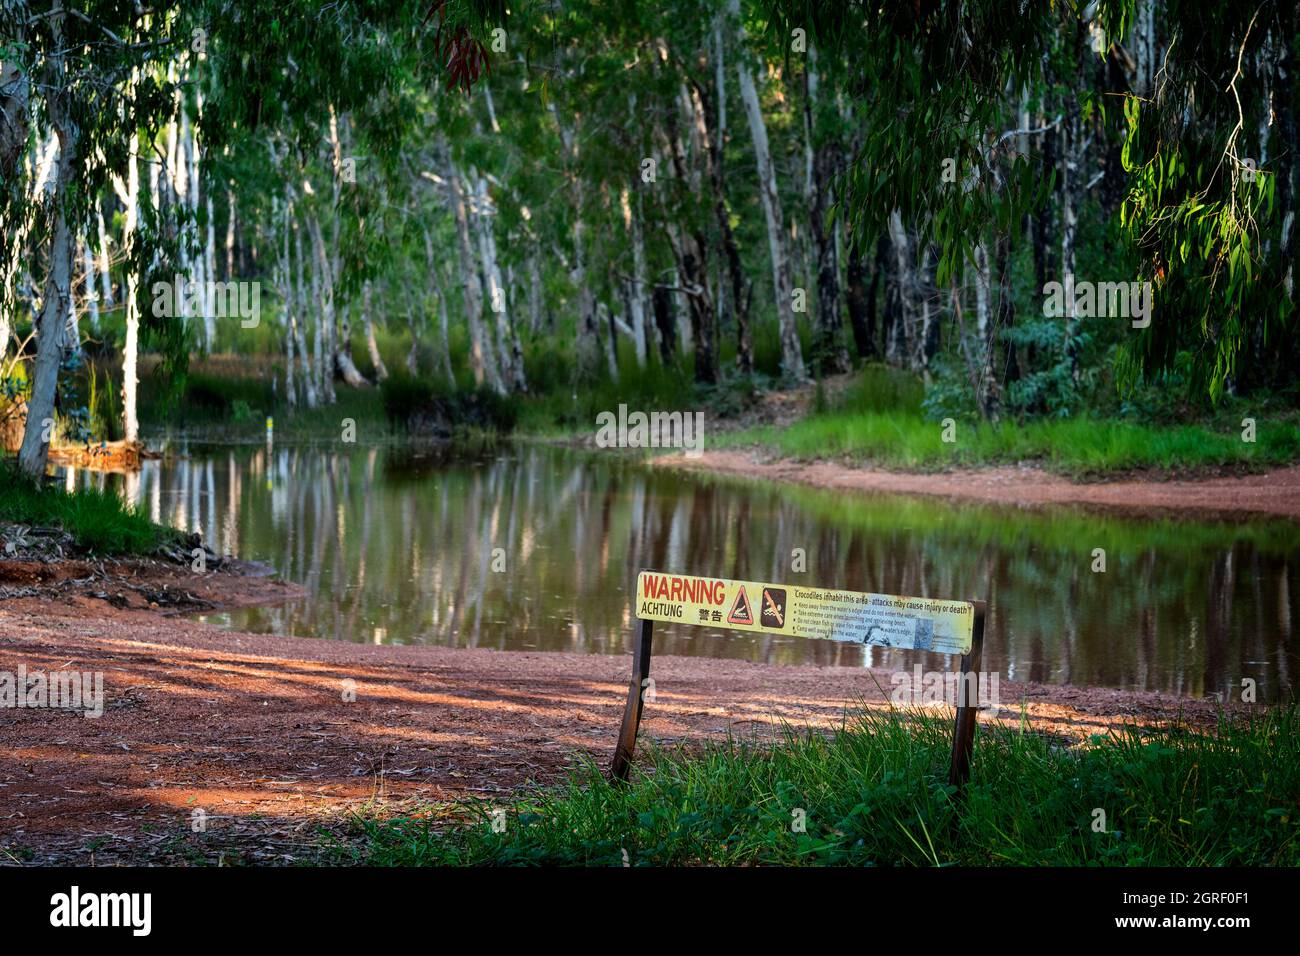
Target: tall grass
[
  {"x": 1080, "y": 445},
  {"x": 229, "y": 396},
  {"x": 421, "y": 404},
  {"x": 876, "y": 794},
  {"x": 557, "y": 405},
  {"x": 98, "y": 520},
  {"x": 878, "y": 420}
]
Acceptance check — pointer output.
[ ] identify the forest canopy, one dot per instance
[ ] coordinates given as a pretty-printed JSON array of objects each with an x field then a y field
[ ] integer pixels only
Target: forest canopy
[{"x": 1037, "y": 207}]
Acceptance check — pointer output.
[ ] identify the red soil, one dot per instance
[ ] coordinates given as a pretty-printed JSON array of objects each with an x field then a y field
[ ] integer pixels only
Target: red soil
[
  {"x": 255, "y": 730},
  {"x": 1275, "y": 493}
]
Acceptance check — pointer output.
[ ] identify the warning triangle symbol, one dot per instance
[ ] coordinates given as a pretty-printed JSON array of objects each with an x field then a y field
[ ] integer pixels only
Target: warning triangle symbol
[{"x": 740, "y": 612}]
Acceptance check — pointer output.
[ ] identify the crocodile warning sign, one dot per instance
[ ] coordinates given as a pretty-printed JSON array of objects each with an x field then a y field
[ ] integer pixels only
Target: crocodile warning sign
[
  {"x": 882, "y": 620},
  {"x": 740, "y": 612}
]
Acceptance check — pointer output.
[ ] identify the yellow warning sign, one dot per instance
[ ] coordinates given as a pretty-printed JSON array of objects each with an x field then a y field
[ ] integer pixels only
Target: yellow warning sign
[
  {"x": 740, "y": 612},
  {"x": 881, "y": 620}
]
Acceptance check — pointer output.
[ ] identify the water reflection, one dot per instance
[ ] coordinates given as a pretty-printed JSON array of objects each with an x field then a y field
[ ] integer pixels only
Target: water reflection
[{"x": 536, "y": 549}]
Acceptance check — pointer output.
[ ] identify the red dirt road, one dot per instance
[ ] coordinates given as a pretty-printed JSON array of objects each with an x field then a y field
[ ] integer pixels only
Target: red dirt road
[
  {"x": 1275, "y": 493},
  {"x": 256, "y": 732}
]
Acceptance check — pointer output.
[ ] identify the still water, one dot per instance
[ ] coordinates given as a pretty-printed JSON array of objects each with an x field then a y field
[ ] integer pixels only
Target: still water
[{"x": 537, "y": 549}]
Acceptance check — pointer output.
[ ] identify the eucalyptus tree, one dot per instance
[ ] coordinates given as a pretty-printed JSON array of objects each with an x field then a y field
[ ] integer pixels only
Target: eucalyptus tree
[
  {"x": 1213, "y": 177},
  {"x": 1208, "y": 154},
  {"x": 83, "y": 75},
  {"x": 792, "y": 362}
]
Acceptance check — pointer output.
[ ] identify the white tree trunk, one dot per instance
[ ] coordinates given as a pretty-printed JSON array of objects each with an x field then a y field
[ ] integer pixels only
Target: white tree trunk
[
  {"x": 210, "y": 268},
  {"x": 381, "y": 370},
  {"x": 534, "y": 293},
  {"x": 791, "y": 350},
  {"x": 482, "y": 358},
  {"x": 607, "y": 332},
  {"x": 323, "y": 280},
  {"x": 313, "y": 308},
  {"x": 56, "y": 300},
  {"x": 92, "y": 290},
  {"x": 1070, "y": 194},
  {"x": 588, "y": 343},
  {"x": 131, "y": 347},
  {"x": 50, "y": 345},
  {"x": 347, "y": 369},
  {"x": 636, "y": 298},
  {"x": 72, "y": 327},
  {"x": 285, "y": 283},
  {"x": 413, "y": 354},
  {"x": 445, "y": 343},
  {"x": 105, "y": 276},
  {"x": 899, "y": 346},
  {"x": 508, "y": 345},
  {"x": 310, "y": 369},
  {"x": 230, "y": 235},
  {"x": 12, "y": 266}
]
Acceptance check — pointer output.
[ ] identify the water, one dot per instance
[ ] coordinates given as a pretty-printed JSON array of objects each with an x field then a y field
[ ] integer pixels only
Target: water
[{"x": 536, "y": 549}]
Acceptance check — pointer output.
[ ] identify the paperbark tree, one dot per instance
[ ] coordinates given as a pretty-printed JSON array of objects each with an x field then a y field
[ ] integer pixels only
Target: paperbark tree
[
  {"x": 131, "y": 345},
  {"x": 482, "y": 356},
  {"x": 688, "y": 241},
  {"x": 310, "y": 363},
  {"x": 56, "y": 302},
  {"x": 829, "y": 354},
  {"x": 1073, "y": 151},
  {"x": 588, "y": 345},
  {"x": 637, "y": 284},
  {"x": 372, "y": 346},
  {"x": 712, "y": 138},
  {"x": 509, "y": 348},
  {"x": 435, "y": 280},
  {"x": 792, "y": 363}
]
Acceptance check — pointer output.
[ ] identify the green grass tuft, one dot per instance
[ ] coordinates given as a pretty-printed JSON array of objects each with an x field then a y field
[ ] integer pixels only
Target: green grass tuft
[
  {"x": 98, "y": 520},
  {"x": 876, "y": 794},
  {"x": 878, "y": 420}
]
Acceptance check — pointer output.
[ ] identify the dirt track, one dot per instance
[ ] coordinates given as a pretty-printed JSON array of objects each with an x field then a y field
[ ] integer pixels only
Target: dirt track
[
  {"x": 1275, "y": 493},
  {"x": 254, "y": 730}
]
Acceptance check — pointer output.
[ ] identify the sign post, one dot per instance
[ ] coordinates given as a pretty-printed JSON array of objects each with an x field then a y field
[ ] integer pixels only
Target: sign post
[
  {"x": 963, "y": 734},
  {"x": 635, "y": 701},
  {"x": 876, "y": 620}
]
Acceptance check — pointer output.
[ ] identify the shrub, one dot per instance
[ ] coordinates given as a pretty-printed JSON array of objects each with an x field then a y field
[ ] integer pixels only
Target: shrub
[{"x": 422, "y": 405}]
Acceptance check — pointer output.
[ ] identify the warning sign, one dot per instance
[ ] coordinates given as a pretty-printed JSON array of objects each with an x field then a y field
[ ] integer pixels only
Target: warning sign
[
  {"x": 740, "y": 612},
  {"x": 773, "y": 613},
  {"x": 882, "y": 620}
]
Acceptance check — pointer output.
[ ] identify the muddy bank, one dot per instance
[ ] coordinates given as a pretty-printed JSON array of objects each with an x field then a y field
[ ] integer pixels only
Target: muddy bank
[
  {"x": 266, "y": 738},
  {"x": 1275, "y": 493}
]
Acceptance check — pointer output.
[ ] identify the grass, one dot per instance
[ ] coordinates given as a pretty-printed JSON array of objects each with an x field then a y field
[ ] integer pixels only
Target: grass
[
  {"x": 98, "y": 520},
  {"x": 230, "y": 397},
  {"x": 1079, "y": 446},
  {"x": 427, "y": 405},
  {"x": 557, "y": 407},
  {"x": 879, "y": 421},
  {"x": 876, "y": 794}
]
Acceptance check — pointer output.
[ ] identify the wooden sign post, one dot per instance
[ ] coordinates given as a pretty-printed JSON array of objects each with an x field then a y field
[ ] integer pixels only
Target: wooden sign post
[{"x": 876, "y": 620}]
